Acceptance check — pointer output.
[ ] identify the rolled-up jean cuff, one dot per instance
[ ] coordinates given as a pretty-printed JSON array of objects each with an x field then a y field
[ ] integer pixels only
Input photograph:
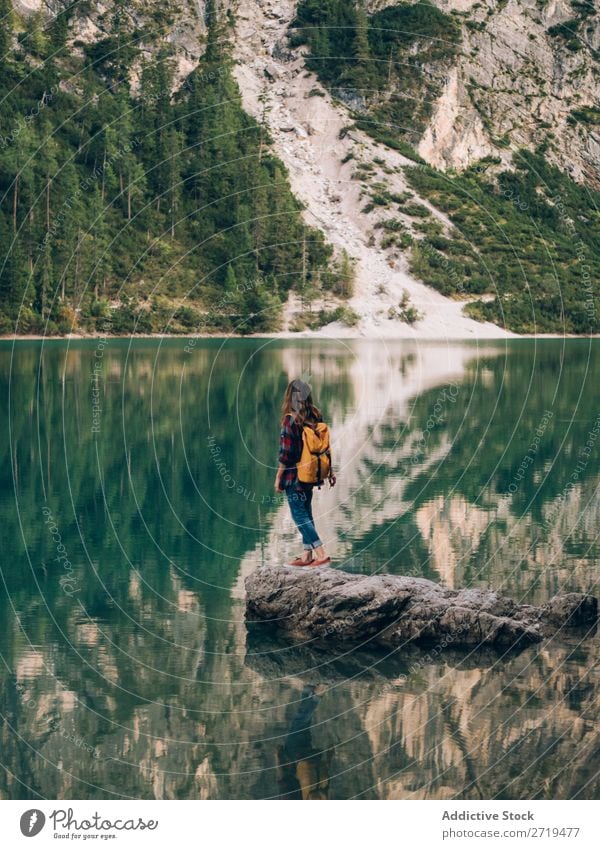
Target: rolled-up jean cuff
[{"x": 316, "y": 544}]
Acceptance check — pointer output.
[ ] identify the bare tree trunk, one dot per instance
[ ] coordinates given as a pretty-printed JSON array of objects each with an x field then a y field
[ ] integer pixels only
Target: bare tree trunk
[
  {"x": 15, "y": 202},
  {"x": 303, "y": 268}
]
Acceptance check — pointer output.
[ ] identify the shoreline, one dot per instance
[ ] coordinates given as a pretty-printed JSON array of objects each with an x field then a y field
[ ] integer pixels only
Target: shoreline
[{"x": 78, "y": 337}]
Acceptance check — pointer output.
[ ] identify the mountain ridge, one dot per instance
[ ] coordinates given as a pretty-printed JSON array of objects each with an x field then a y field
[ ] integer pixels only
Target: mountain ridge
[{"x": 333, "y": 121}]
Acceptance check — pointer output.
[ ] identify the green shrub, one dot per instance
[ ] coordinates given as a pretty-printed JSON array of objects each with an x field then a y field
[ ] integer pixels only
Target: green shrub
[
  {"x": 316, "y": 320},
  {"x": 100, "y": 308},
  {"x": 392, "y": 225},
  {"x": 345, "y": 315},
  {"x": 567, "y": 31}
]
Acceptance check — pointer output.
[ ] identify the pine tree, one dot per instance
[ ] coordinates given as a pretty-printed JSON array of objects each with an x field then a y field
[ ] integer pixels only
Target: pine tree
[
  {"x": 362, "y": 72},
  {"x": 22, "y": 164},
  {"x": 265, "y": 109},
  {"x": 98, "y": 266},
  {"x": 345, "y": 274},
  {"x": 35, "y": 39},
  {"x": 66, "y": 238},
  {"x": 173, "y": 145},
  {"x": 160, "y": 139},
  {"x": 59, "y": 32},
  {"x": 218, "y": 37},
  {"x": 124, "y": 50},
  {"x": 262, "y": 310}
]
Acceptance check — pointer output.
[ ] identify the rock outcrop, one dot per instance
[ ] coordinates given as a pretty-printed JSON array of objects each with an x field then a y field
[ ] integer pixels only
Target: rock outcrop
[
  {"x": 388, "y": 610},
  {"x": 527, "y": 75}
]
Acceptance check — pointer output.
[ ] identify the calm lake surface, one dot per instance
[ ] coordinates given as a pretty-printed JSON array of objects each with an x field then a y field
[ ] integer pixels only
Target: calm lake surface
[{"x": 136, "y": 495}]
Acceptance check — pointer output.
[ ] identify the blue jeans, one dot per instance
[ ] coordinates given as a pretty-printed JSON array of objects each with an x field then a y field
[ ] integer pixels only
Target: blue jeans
[{"x": 300, "y": 502}]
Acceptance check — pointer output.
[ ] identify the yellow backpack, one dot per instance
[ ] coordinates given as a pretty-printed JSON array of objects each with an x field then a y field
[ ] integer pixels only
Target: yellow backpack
[{"x": 314, "y": 465}]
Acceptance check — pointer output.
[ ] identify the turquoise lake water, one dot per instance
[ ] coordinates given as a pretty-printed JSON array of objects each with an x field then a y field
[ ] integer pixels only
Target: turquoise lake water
[{"x": 137, "y": 494}]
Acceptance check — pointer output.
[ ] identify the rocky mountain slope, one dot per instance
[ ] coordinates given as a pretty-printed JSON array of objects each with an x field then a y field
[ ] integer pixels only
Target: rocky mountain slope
[
  {"x": 462, "y": 86},
  {"x": 182, "y": 25}
]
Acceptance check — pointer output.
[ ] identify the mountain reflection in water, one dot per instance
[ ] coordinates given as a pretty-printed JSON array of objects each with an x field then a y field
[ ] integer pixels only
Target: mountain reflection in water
[{"x": 138, "y": 677}]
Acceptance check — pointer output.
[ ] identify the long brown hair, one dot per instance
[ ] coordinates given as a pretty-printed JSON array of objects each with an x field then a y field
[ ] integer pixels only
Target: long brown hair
[{"x": 298, "y": 402}]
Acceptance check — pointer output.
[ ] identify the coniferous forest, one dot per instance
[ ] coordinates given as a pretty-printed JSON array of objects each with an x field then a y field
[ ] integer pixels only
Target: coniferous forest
[{"x": 159, "y": 209}]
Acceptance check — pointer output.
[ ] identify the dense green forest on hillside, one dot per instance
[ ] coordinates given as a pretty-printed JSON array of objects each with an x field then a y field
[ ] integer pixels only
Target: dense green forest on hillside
[{"x": 139, "y": 212}]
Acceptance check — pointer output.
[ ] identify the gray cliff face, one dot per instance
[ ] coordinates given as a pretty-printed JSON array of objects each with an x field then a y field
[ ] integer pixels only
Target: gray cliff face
[
  {"x": 516, "y": 84},
  {"x": 392, "y": 611}
]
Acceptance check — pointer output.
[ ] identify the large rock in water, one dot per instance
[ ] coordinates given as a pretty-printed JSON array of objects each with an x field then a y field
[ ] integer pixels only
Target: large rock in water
[{"x": 324, "y": 603}]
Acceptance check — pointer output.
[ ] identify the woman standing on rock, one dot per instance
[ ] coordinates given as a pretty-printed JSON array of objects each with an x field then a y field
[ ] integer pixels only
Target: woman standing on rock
[{"x": 304, "y": 462}]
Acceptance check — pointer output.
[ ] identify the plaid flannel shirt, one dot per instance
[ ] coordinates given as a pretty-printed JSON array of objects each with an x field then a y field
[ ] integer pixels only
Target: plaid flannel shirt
[{"x": 290, "y": 451}]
